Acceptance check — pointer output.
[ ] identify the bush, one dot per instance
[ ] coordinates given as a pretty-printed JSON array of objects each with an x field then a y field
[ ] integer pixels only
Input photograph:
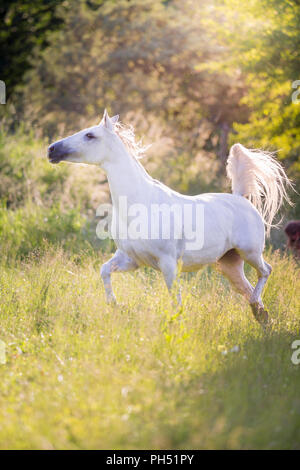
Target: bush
[{"x": 33, "y": 228}]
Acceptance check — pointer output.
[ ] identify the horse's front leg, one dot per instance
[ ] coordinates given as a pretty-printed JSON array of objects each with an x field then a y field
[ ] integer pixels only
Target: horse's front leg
[
  {"x": 120, "y": 262},
  {"x": 168, "y": 266}
]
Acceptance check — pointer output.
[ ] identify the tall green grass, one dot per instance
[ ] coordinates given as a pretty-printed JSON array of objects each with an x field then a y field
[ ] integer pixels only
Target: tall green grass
[{"x": 81, "y": 374}]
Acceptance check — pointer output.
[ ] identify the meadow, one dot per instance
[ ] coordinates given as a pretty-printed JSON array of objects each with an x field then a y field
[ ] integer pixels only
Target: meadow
[{"x": 81, "y": 374}]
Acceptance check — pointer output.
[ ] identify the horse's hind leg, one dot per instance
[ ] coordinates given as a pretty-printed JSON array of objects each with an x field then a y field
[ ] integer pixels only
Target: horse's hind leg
[
  {"x": 232, "y": 267},
  {"x": 263, "y": 270}
]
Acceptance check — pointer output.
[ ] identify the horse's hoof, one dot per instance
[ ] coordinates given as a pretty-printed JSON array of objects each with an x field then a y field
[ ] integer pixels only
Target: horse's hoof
[{"x": 260, "y": 314}]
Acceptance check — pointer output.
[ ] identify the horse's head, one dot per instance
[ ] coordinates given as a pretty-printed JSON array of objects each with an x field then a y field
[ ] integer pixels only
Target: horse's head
[{"x": 92, "y": 145}]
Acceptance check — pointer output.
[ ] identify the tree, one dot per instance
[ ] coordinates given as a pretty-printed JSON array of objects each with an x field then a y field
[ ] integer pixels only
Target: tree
[
  {"x": 263, "y": 41},
  {"x": 25, "y": 26}
]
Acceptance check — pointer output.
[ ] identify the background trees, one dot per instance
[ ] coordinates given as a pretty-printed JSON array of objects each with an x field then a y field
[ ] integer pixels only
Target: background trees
[
  {"x": 264, "y": 42},
  {"x": 25, "y": 26}
]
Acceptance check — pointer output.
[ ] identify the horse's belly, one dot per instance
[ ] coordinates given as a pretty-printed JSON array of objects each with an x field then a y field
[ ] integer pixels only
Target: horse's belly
[
  {"x": 194, "y": 260},
  {"x": 139, "y": 252}
]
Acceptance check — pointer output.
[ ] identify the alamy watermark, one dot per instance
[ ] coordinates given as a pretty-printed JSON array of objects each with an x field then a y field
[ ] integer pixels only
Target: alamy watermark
[
  {"x": 296, "y": 93},
  {"x": 295, "y": 358},
  {"x": 154, "y": 221},
  {"x": 2, "y": 92},
  {"x": 2, "y": 352}
]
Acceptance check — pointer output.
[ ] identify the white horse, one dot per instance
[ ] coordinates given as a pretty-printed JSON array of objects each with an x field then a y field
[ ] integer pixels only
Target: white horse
[{"x": 232, "y": 228}]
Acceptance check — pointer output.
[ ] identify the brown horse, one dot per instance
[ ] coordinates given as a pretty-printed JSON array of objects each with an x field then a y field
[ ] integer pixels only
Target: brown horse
[{"x": 292, "y": 231}]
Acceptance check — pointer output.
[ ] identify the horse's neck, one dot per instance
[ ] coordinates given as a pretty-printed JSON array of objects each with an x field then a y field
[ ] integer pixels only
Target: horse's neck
[{"x": 127, "y": 177}]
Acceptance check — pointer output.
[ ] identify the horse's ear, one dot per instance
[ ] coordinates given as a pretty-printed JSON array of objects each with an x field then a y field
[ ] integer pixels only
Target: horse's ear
[
  {"x": 106, "y": 121},
  {"x": 114, "y": 119}
]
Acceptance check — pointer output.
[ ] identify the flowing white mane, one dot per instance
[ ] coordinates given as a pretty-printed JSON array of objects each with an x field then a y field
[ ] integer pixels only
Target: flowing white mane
[{"x": 127, "y": 135}]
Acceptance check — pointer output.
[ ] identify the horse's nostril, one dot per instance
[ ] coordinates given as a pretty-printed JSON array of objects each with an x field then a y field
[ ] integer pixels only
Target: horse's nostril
[{"x": 51, "y": 149}]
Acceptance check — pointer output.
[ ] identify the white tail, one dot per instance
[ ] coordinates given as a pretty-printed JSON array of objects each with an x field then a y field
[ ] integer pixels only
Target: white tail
[{"x": 259, "y": 177}]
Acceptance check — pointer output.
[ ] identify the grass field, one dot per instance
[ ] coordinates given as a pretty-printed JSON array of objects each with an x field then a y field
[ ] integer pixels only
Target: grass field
[{"x": 81, "y": 374}]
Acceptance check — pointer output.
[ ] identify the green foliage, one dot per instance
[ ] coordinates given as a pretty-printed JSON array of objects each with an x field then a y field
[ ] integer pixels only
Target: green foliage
[
  {"x": 80, "y": 374},
  {"x": 25, "y": 25},
  {"x": 263, "y": 40},
  {"x": 32, "y": 228},
  {"x": 25, "y": 174}
]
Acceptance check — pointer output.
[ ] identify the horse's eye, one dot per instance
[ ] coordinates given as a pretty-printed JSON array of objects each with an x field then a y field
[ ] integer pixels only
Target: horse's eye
[{"x": 89, "y": 135}]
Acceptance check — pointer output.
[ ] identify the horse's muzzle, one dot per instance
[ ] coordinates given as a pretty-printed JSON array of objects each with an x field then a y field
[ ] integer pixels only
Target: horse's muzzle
[{"x": 57, "y": 152}]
